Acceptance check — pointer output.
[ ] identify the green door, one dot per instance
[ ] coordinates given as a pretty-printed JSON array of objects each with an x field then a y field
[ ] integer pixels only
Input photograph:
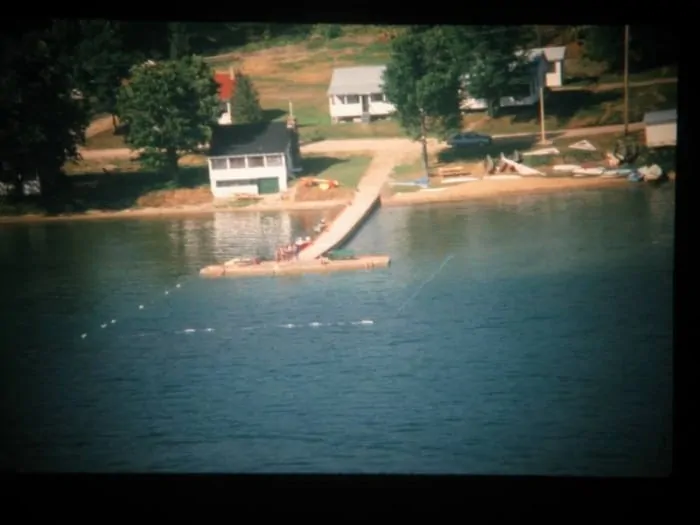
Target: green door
[{"x": 266, "y": 186}]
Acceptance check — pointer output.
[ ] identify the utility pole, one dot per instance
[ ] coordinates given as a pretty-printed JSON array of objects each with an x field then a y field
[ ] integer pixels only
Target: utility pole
[
  {"x": 424, "y": 142},
  {"x": 543, "y": 135},
  {"x": 626, "y": 80}
]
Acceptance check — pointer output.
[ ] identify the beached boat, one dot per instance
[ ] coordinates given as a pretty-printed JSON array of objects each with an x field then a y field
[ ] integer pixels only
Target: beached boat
[
  {"x": 616, "y": 173},
  {"x": 588, "y": 172},
  {"x": 565, "y": 168},
  {"x": 455, "y": 180}
]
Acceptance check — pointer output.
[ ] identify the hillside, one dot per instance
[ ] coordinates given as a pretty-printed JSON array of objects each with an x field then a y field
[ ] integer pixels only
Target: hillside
[{"x": 299, "y": 72}]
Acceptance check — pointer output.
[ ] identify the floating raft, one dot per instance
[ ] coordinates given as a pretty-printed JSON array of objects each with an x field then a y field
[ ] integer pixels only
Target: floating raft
[{"x": 271, "y": 268}]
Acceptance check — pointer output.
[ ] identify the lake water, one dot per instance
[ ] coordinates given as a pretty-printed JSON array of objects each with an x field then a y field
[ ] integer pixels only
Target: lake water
[{"x": 521, "y": 335}]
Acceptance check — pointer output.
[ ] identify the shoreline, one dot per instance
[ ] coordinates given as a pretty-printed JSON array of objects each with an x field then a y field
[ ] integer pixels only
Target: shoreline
[
  {"x": 165, "y": 213},
  {"x": 482, "y": 189},
  {"x": 485, "y": 189}
]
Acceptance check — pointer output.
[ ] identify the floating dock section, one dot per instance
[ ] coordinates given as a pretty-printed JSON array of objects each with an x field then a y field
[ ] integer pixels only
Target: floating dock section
[{"x": 269, "y": 268}]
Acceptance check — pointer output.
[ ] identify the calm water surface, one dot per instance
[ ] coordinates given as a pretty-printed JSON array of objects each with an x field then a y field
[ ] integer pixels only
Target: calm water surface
[{"x": 525, "y": 335}]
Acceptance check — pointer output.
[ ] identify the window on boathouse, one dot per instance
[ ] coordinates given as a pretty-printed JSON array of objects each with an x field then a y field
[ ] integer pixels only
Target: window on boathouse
[{"x": 219, "y": 164}]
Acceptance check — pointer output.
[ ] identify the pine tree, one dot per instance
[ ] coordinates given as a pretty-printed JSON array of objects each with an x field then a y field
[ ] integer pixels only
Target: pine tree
[{"x": 245, "y": 104}]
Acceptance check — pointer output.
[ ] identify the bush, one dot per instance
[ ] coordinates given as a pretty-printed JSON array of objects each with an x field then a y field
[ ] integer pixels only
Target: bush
[{"x": 328, "y": 31}]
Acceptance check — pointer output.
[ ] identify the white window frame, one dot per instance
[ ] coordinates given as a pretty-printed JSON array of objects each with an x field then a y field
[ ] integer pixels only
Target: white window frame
[
  {"x": 219, "y": 164},
  {"x": 274, "y": 161},
  {"x": 239, "y": 160},
  {"x": 250, "y": 157}
]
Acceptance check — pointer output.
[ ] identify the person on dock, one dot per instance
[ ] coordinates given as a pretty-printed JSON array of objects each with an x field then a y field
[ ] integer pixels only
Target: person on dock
[{"x": 320, "y": 226}]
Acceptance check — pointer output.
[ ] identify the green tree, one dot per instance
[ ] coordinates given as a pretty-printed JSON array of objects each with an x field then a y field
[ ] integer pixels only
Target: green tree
[
  {"x": 42, "y": 123},
  {"x": 490, "y": 59},
  {"x": 179, "y": 39},
  {"x": 245, "y": 103},
  {"x": 422, "y": 81},
  {"x": 169, "y": 109},
  {"x": 649, "y": 46},
  {"x": 93, "y": 51}
]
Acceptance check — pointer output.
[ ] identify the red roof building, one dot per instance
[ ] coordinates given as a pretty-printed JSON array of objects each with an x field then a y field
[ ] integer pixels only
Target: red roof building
[{"x": 225, "y": 86}]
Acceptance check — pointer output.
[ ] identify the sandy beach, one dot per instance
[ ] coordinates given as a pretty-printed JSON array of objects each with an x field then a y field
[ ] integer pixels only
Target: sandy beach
[
  {"x": 493, "y": 188},
  {"x": 462, "y": 192},
  {"x": 165, "y": 213}
]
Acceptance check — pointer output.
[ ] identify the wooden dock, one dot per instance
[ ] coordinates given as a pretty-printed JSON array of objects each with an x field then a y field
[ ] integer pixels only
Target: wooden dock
[
  {"x": 270, "y": 268},
  {"x": 351, "y": 218},
  {"x": 310, "y": 260}
]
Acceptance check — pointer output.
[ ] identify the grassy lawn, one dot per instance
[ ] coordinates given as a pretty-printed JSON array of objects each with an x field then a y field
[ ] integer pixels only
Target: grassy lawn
[
  {"x": 583, "y": 72},
  {"x": 578, "y": 109},
  {"x": 347, "y": 170},
  {"x": 299, "y": 72}
]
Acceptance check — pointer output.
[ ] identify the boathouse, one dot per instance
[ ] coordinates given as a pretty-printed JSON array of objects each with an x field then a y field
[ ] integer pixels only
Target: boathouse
[
  {"x": 356, "y": 94},
  {"x": 253, "y": 159},
  {"x": 660, "y": 128}
]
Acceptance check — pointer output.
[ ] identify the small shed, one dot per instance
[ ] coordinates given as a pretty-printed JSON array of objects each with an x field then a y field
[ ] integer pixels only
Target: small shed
[
  {"x": 254, "y": 158},
  {"x": 660, "y": 128}
]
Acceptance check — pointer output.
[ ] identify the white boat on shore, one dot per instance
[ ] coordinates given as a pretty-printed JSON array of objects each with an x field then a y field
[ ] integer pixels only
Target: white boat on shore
[
  {"x": 455, "y": 180},
  {"x": 565, "y": 168},
  {"x": 588, "y": 172}
]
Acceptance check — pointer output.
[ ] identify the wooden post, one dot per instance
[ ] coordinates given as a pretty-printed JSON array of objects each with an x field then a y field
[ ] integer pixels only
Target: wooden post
[
  {"x": 543, "y": 135},
  {"x": 291, "y": 109},
  {"x": 424, "y": 142}
]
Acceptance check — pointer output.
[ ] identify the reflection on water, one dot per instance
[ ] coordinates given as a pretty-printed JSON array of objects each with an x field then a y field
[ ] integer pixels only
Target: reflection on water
[{"x": 521, "y": 335}]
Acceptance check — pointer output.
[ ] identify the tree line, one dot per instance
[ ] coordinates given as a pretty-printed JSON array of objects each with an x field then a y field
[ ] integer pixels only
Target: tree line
[{"x": 58, "y": 74}]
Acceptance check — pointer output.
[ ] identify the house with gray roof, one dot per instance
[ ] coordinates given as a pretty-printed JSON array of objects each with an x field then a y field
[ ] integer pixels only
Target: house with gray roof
[
  {"x": 553, "y": 58},
  {"x": 544, "y": 68},
  {"x": 356, "y": 94}
]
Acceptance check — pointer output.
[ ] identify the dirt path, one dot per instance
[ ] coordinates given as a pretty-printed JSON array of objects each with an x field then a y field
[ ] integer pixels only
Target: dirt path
[
  {"x": 617, "y": 85},
  {"x": 371, "y": 146},
  {"x": 98, "y": 126}
]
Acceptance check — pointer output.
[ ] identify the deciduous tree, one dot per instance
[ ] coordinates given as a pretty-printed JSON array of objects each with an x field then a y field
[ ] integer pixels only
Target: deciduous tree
[
  {"x": 650, "y": 46},
  {"x": 245, "y": 103},
  {"x": 42, "y": 123},
  {"x": 93, "y": 50},
  {"x": 422, "y": 81},
  {"x": 490, "y": 58},
  {"x": 169, "y": 109}
]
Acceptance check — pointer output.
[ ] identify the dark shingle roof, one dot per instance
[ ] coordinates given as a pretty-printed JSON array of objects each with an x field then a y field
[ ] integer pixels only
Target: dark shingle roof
[
  {"x": 660, "y": 117},
  {"x": 249, "y": 139}
]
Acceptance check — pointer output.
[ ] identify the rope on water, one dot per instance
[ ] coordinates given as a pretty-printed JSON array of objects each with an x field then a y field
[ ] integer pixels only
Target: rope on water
[{"x": 426, "y": 281}]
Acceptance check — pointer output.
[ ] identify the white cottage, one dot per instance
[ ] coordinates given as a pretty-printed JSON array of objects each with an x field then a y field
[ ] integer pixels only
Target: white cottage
[
  {"x": 660, "y": 128},
  {"x": 252, "y": 158},
  {"x": 356, "y": 93},
  {"x": 553, "y": 58},
  {"x": 545, "y": 70}
]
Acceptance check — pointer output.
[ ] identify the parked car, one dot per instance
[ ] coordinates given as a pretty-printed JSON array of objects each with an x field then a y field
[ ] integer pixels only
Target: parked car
[{"x": 469, "y": 138}]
